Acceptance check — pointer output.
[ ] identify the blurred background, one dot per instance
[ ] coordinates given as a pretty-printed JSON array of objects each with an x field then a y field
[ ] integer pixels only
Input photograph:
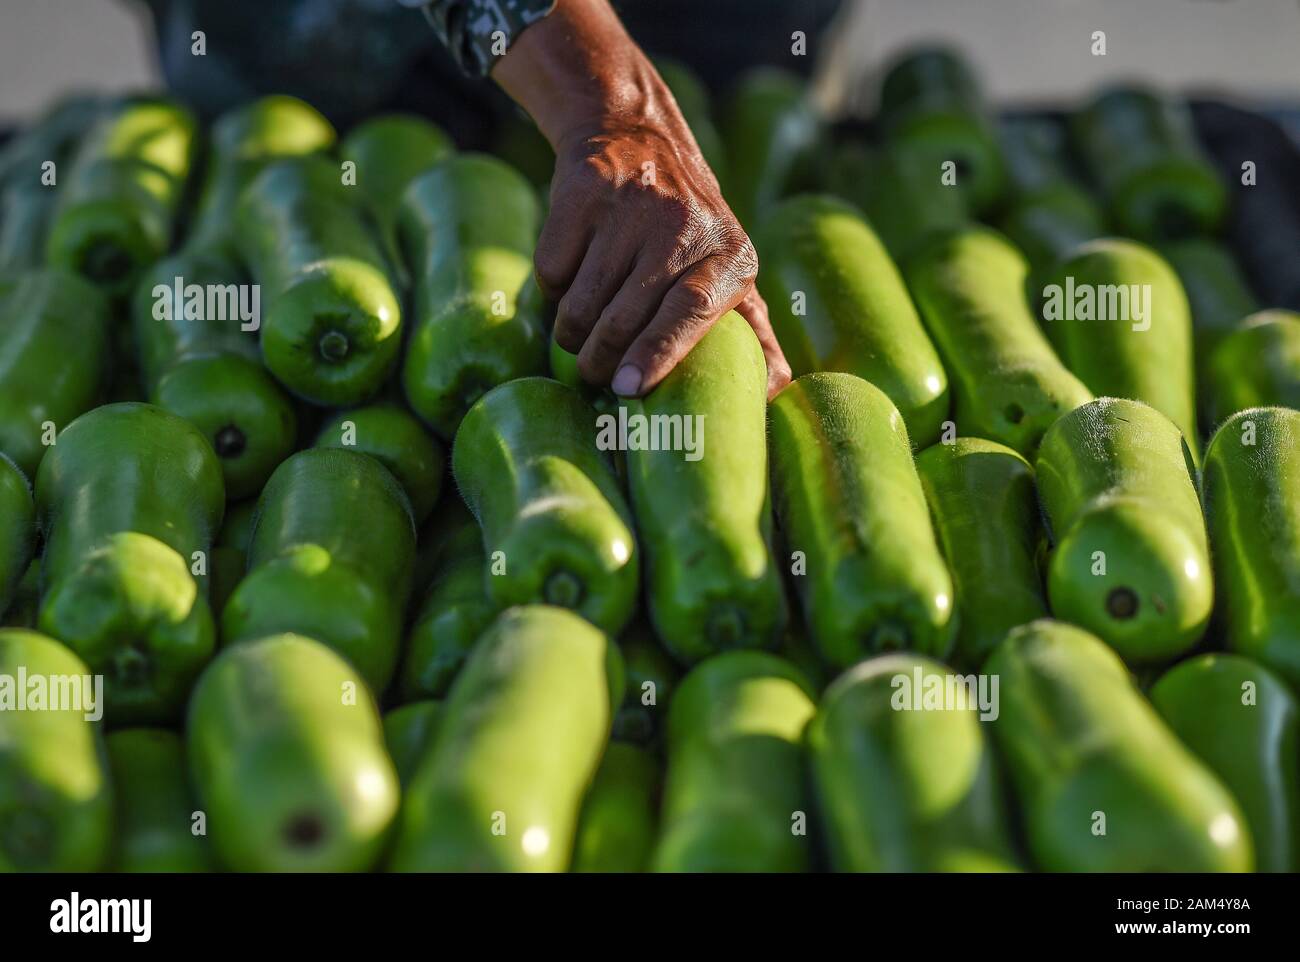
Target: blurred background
[{"x": 1029, "y": 52}]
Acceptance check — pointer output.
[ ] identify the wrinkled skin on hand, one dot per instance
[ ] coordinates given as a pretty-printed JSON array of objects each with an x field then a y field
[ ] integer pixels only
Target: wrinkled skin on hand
[{"x": 640, "y": 249}]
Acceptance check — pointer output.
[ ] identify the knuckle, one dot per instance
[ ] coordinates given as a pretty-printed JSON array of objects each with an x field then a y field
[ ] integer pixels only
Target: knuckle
[{"x": 698, "y": 298}]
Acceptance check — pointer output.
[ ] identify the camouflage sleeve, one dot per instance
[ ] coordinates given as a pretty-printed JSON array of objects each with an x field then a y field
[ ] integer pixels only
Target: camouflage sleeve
[{"x": 477, "y": 32}]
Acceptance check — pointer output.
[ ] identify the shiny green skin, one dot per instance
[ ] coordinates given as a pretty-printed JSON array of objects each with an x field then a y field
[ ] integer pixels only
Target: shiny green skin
[
  {"x": 1116, "y": 476},
  {"x": 693, "y": 100},
  {"x": 905, "y": 790},
  {"x": 243, "y": 142},
  {"x": 17, "y": 529},
  {"x": 209, "y": 372},
  {"x": 1141, "y": 148},
  {"x": 52, "y": 358},
  {"x": 119, "y": 202},
  {"x": 1257, "y": 365},
  {"x": 125, "y": 499},
  {"x": 735, "y": 773},
  {"x": 453, "y": 613},
  {"x": 331, "y": 320},
  {"x": 56, "y": 804},
  {"x": 1241, "y": 721},
  {"x": 903, "y": 200},
  {"x": 154, "y": 804},
  {"x": 651, "y": 680},
  {"x": 520, "y": 740},
  {"x": 390, "y": 151},
  {"x": 981, "y": 495},
  {"x": 1217, "y": 291},
  {"x": 230, "y": 553},
  {"x": 930, "y": 100},
  {"x": 329, "y": 557},
  {"x": 1154, "y": 364},
  {"x": 847, "y": 496},
  {"x": 526, "y": 462},
  {"x": 1008, "y": 384},
  {"x": 618, "y": 825},
  {"x": 770, "y": 132},
  {"x": 712, "y": 583},
  {"x": 1253, "y": 516},
  {"x": 468, "y": 228},
  {"x": 286, "y": 750},
  {"x": 854, "y": 314},
  {"x": 396, "y": 439},
  {"x": 1078, "y": 738},
  {"x": 408, "y": 733}
]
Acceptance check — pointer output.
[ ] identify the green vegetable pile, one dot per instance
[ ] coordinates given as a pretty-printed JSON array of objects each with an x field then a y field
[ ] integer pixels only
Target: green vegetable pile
[{"x": 316, "y": 554}]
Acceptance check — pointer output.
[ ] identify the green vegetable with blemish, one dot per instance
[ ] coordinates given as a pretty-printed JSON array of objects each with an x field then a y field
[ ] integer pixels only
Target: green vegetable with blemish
[
  {"x": 330, "y": 557},
  {"x": 1256, "y": 365},
  {"x": 705, "y": 524},
  {"x": 389, "y": 151},
  {"x": 1141, "y": 149},
  {"x": 331, "y": 320},
  {"x": 930, "y": 100},
  {"x": 1102, "y": 784},
  {"x": 1252, "y": 470},
  {"x": 286, "y": 750},
  {"x": 734, "y": 792},
  {"x": 454, "y": 610},
  {"x": 119, "y": 202},
  {"x": 408, "y": 733},
  {"x": 56, "y": 804},
  {"x": 771, "y": 134},
  {"x": 982, "y": 497},
  {"x": 154, "y": 804},
  {"x": 197, "y": 362},
  {"x": 618, "y": 824},
  {"x": 904, "y": 785},
  {"x": 1119, "y": 320},
  {"x": 838, "y": 303},
  {"x": 1129, "y": 561},
  {"x": 520, "y": 739},
  {"x": 468, "y": 228},
  {"x": 1241, "y": 721},
  {"x": 396, "y": 439},
  {"x": 17, "y": 529},
  {"x": 1008, "y": 384},
  {"x": 553, "y": 517},
  {"x": 849, "y": 502},
  {"x": 129, "y": 501},
  {"x": 52, "y": 359}
]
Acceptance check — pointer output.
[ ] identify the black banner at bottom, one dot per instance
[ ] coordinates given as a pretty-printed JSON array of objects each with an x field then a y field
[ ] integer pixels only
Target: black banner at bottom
[{"x": 336, "y": 912}]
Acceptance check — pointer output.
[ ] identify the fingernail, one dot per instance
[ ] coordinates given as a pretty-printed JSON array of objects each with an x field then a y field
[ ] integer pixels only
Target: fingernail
[{"x": 627, "y": 380}]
